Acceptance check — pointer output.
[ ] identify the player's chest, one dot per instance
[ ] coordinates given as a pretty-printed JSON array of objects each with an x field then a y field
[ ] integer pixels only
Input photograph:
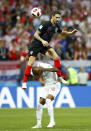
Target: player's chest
[{"x": 50, "y": 30}]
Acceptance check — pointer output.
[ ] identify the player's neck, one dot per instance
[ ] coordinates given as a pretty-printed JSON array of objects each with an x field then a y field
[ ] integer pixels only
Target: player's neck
[{"x": 52, "y": 22}]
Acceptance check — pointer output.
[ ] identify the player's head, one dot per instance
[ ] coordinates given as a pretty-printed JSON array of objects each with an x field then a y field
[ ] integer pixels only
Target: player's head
[
  {"x": 55, "y": 16},
  {"x": 37, "y": 70},
  {"x": 82, "y": 69}
]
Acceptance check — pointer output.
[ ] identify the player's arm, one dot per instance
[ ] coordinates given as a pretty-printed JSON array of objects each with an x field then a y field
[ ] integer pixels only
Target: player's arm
[
  {"x": 50, "y": 69},
  {"x": 42, "y": 81},
  {"x": 41, "y": 69},
  {"x": 37, "y": 35},
  {"x": 69, "y": 33}
]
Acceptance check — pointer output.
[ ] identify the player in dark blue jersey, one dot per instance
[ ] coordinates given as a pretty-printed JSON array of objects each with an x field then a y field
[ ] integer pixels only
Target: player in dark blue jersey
[{"x": 40, "y": 44}]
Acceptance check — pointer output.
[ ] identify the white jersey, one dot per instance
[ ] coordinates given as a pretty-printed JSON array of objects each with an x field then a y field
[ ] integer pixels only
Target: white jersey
[
  {"x": 52, "y": 86},
  {"x": 50, "y": 77}
]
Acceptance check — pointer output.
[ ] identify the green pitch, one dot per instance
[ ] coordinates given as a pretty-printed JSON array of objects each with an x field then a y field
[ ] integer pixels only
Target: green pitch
[{"x": 67, "y": 119}]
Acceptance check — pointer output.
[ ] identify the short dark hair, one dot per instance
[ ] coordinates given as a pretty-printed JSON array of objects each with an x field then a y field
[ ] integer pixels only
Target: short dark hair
[
  {"x": 34, "y": 67},
  {"x": 55, "y": 12}
]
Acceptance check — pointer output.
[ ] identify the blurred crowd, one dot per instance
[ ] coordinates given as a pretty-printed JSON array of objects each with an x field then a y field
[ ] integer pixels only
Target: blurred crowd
[
  {"x": 74, "y": 77},
  {"x": 17, "y": 28}
]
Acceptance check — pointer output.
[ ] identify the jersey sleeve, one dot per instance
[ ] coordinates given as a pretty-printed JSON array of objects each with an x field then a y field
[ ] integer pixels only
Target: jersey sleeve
[{"x": 42, "y": 27}]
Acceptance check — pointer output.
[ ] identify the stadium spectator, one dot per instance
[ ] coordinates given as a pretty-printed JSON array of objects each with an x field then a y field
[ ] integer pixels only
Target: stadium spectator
[
  {"x": 45, "y": 16},
  {"x": 80, "y": 52},
  {"x": 36, "y": 23},
  {"x": 72, "y": 76},
  {"x": 78, "y": 35},
  {"x": 58, "y": 50},
  {"x": 31, "y": 30},
  {"x": 15, "y": 14},
  {"x": 23, "y": 59},
  {"x": 70, "y": 51},
  {"x": 9, "y": 36},
  {"x": 89, "y": 17},
  {"x": 4, "y": 52},
  {"x": 88, "y": 43},
  {"x": 27, "y": 22},
  {"x": 24, "y": 36},
  {"x": 55, "y": 40},
  {"x": 63, "y": 42},
  {"x": 71, "y": 38},
  {"x": 2, "y": 30},
  {"x": 82, "y": 76},
  {"x": 84, "y": 26},
  {"x": 14, "y": 50}
]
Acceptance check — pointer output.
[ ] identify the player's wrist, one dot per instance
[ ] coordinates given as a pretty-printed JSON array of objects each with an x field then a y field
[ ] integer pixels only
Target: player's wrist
[
  {"x": 42, "y": 41},
  {"x": 62, "y": 80}
]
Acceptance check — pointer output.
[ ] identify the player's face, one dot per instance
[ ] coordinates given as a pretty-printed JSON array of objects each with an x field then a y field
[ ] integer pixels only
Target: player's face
[{"x": 56, "y": 18}]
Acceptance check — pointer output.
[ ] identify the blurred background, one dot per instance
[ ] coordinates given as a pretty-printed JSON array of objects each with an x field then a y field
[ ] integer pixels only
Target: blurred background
[{"x": 17, "y": 28}]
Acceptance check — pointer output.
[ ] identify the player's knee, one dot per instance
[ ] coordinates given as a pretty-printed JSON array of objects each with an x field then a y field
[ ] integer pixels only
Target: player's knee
[
  {"x": 56, "y": 57},
  {"x": 53, "y": 54},
  {"x": 42, "y": 101},
  {"x": 51, "y": 97},
  {"x": 31, "y": 60}
]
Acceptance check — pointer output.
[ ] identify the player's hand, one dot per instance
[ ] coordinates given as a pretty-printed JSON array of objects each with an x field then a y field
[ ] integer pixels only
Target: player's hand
[
  {"x": 45, "y": 43},
  {"x": 62, "y": 80},
  {"x": 74, "y": 31}
]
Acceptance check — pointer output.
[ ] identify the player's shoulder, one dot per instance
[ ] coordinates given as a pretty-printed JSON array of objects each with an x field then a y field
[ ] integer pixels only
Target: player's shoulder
[
  {"x": 59, "y": 28},
  {"x": 45, "y": 65},
  {"x": 46, "y": 23},
  {"x": 49, "y": 65}
]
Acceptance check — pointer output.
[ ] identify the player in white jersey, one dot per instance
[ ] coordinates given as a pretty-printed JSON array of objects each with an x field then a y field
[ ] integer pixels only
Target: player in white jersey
[{"x": 51, "y": 88}]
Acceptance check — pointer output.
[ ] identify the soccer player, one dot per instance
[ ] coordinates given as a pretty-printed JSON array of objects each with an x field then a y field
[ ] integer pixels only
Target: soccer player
[
  {"x": 40, "y": 44},
  {"x": 49, "y": 79}
]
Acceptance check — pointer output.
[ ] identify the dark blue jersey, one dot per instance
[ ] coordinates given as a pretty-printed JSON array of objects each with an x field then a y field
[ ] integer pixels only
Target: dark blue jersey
[{"x": 48, "y": 30}]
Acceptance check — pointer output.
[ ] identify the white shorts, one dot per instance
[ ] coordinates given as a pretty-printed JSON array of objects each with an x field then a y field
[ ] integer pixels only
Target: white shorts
[{"x": 50, "y": 89}]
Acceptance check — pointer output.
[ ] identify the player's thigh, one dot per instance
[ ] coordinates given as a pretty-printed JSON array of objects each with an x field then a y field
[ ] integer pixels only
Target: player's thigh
[
  {"x": 48, "y": 54},
  {"x": 44, "y": 92},
  {"x": 31, "y": 60},
  {"x": 42, "y": 100},
  {"x": 50, "y": 96},
  {"x": 34, "y": 49},
  {"x": 54, "y": 90},
  {"x": 52, "y": 53}
]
